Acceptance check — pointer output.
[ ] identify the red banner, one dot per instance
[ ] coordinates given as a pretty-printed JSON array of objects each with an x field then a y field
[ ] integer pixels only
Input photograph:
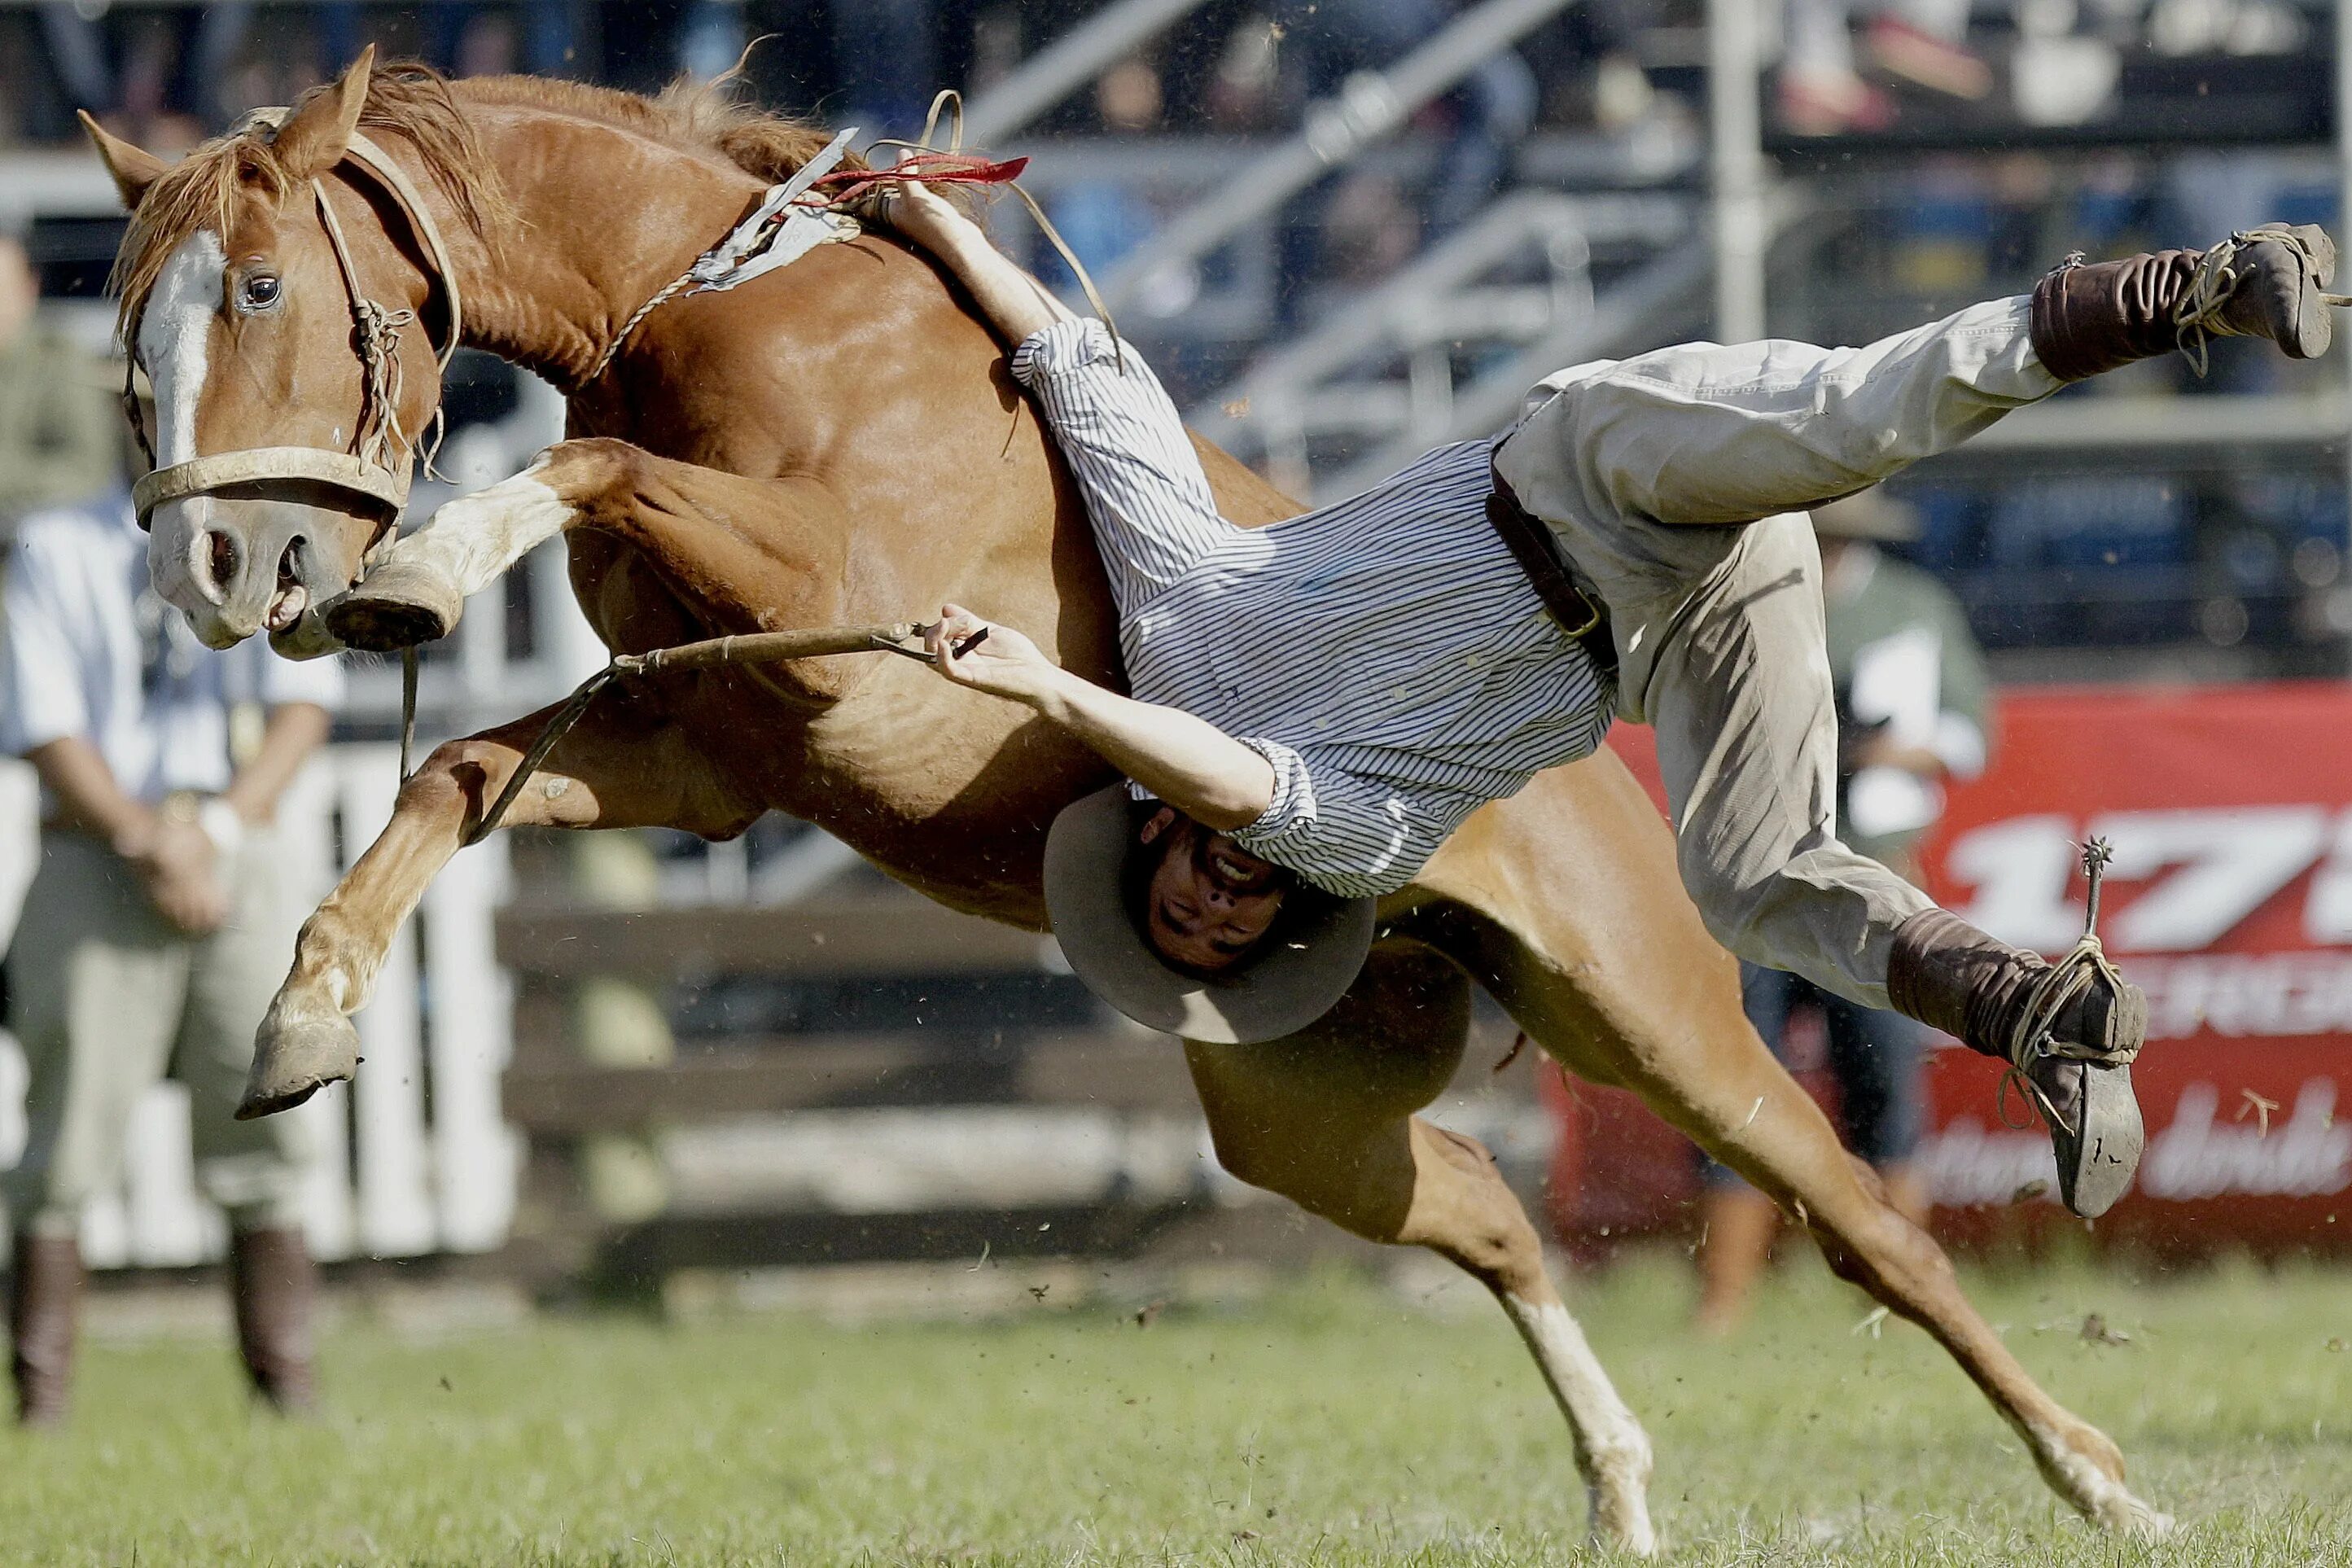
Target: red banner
[{"x": 2230, "y": 901}]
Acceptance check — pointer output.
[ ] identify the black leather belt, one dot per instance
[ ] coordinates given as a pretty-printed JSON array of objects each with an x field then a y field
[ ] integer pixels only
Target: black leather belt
[{"x": 1576, "y": 608}]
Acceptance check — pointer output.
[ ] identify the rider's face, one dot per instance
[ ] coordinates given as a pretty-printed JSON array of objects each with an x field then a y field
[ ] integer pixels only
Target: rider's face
[{"x": 1208, "y": 902}]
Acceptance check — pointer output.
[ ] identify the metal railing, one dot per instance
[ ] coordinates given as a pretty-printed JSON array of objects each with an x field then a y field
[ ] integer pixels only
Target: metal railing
[
  {"x": 1340, "y": 377},
  {"x": 1069, "y": 63},
  {"x": 1372, "y": 107}
]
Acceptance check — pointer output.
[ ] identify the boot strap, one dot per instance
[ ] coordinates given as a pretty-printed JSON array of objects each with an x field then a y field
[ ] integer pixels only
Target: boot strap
[
  {"x": 2052, "y": 991},
  {"x": 2197, "y": 318}
]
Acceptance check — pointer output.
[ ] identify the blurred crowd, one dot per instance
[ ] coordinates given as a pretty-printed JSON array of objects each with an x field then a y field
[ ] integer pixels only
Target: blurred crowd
[
  {"x": 167, "y": 74},
  {"x": 1893, "y": 242}
]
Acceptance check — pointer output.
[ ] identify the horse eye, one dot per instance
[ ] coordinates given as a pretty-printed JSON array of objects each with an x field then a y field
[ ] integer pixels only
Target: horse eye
[{"x": 259, "y": 292}]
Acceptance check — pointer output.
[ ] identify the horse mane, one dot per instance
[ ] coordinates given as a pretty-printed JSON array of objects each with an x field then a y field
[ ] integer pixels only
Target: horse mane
[
  {"x": 412, "y": 101},
  {"x": 701, "y": 117}
]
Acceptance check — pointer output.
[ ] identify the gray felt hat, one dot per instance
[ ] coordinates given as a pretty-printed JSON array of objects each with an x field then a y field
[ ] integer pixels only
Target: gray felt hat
[{"x": 1318, "y": 944}]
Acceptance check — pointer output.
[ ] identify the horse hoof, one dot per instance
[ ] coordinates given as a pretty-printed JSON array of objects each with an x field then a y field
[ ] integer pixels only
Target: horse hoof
[
  {"x": 293, "y": 1058},
  {"x": 395, "y": 606}
]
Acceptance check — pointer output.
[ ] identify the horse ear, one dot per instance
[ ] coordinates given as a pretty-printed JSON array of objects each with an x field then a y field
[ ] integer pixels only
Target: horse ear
[
  {"x": 134, "y": 169},
  {"x": 314, "y": 139}
]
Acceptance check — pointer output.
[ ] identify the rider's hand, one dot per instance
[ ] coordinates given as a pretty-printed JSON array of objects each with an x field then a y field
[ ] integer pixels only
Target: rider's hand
[
  {"x": 1002, "y": 663},
  {"x": 918, "y": 212}
]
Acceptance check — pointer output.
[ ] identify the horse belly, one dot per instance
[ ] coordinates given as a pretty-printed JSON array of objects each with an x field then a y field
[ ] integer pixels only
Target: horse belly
[{"x": 945, "y": 790}]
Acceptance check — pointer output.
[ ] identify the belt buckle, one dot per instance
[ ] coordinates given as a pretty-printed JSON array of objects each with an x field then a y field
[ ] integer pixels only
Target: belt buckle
[{"x": 1591, "y": 614}]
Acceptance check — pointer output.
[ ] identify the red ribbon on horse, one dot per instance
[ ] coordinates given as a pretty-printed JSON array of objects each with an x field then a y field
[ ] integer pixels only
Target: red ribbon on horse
[{"x": 927, "y": 168}]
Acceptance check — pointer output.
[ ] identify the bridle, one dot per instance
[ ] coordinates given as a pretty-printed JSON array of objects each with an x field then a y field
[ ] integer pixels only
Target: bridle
[{"x": 375, "y": 471}]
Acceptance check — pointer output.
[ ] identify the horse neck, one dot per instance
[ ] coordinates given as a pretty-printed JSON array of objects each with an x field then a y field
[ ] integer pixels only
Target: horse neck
[{"x": 604, "y": 218}]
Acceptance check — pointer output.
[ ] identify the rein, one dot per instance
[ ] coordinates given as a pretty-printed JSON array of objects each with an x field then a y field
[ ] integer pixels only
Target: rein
[
  {"x": 903, "y": 638},
  {"x": 375, "y": 471}
]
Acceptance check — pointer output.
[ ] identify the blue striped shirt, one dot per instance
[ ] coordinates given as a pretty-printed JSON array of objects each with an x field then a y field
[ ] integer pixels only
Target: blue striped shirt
[{"x": 1385, "y": 654}]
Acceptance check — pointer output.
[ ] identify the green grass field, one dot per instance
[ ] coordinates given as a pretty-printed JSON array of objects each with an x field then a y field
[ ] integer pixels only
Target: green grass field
[{"x": 1334, "y": 1422}]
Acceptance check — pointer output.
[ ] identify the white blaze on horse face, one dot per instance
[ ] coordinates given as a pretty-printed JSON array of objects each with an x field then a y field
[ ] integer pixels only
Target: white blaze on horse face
[
  {"x": 175, "y": 340},
  {"x": 1611, "y": 1448},
  {"x": 175, "y": 347}
]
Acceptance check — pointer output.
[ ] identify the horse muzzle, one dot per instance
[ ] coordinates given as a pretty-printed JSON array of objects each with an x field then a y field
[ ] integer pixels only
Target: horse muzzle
[{"x": 237, "y": 565}]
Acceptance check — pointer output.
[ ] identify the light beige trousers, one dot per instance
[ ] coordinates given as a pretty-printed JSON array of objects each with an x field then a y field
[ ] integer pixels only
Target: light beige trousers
[
  {"x": 1676, "y": 482},
  {"x": 109, "y": 999}
]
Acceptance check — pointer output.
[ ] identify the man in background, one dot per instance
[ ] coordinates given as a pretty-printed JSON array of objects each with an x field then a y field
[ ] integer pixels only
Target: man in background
[
  {"x": 58, "y": 440},
  {"x": 1912, "y": 694},
  {"x": 156, "y": 928}
]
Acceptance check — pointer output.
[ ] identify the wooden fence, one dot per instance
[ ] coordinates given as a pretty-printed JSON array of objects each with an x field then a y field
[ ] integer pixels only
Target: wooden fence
[{"x": 419, "y": 1159}]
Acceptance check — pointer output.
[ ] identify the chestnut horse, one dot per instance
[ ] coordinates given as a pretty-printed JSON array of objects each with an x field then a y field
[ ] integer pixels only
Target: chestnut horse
[{"x": 839, "y": 442}]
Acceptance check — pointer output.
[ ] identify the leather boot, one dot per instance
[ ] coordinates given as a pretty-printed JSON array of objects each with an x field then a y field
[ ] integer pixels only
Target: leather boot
[
  {"x": 43, "y": 1300},
  {"x": 1951, "y": 976},
  {"x": 276, "y": 1288},
  {"x": 2269, "y": 283}
]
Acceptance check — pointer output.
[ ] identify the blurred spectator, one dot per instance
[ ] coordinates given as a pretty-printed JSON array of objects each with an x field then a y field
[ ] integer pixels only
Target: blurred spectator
[
  {"x": 1334, "y": 40},
  {"x": 465, "y": 38},
  {"x": 156, "y": 929},
  {"x": 1242, "y": 94},
  {"x": 1102, "y": 219},
  {"x": 153, "y": 73},
  {"x": 1912, "y": 696},
  {"x": 885, "y": 54},
  {"x": 60, "y": 432},
  {"x": 1918, "y": 41}
]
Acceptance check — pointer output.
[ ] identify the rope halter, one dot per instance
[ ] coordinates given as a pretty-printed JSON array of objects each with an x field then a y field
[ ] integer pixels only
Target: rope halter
[{"x": 375, "y": 471}]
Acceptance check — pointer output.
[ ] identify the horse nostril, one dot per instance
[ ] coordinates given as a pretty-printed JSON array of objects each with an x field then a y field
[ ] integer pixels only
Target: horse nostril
[{"x": 220, "y": 561}]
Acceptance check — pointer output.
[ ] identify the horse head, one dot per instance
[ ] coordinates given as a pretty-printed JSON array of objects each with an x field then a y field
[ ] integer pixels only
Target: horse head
[{"x": 279, "y": 322}]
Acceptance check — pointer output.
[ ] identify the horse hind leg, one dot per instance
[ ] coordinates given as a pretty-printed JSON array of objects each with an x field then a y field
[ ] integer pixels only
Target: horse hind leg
[
  {"x": 1647, "y": 1001},
  {"x": 1326, "y": 1119}
]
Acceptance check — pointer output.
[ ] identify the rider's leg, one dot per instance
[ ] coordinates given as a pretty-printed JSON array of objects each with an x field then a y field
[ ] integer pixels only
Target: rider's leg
[
  {"x": 1719, "y": 635},
  {"x": 1703, "y": 434},
  {"x": 1718, "y": 628},
  {"x": 1740, "y": 696}
]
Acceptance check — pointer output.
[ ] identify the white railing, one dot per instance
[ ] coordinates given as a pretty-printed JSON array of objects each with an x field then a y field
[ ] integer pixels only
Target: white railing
[{"x": 416, "y": 1159}]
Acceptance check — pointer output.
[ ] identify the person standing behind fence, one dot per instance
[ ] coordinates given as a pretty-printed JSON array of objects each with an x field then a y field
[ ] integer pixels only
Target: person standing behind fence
[
  {"x": 156, "y": 928},
  {"x": 58, "y": 439},
  {"x": 1912, "y": 694}
]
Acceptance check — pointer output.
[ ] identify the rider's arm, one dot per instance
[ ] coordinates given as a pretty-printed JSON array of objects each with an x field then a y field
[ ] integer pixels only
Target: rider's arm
[
  {"x": 1187, "y": 761},
  {"x": 1345, "y": 831},
  {"x": 1146, "y": 497},
  {"x": 1014, "y": 303}
]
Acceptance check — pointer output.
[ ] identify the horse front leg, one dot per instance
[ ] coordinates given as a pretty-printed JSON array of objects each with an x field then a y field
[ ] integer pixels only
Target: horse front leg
[
  {"x": 753, "y": 554},
  {"x": 619, "y": 767}
]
